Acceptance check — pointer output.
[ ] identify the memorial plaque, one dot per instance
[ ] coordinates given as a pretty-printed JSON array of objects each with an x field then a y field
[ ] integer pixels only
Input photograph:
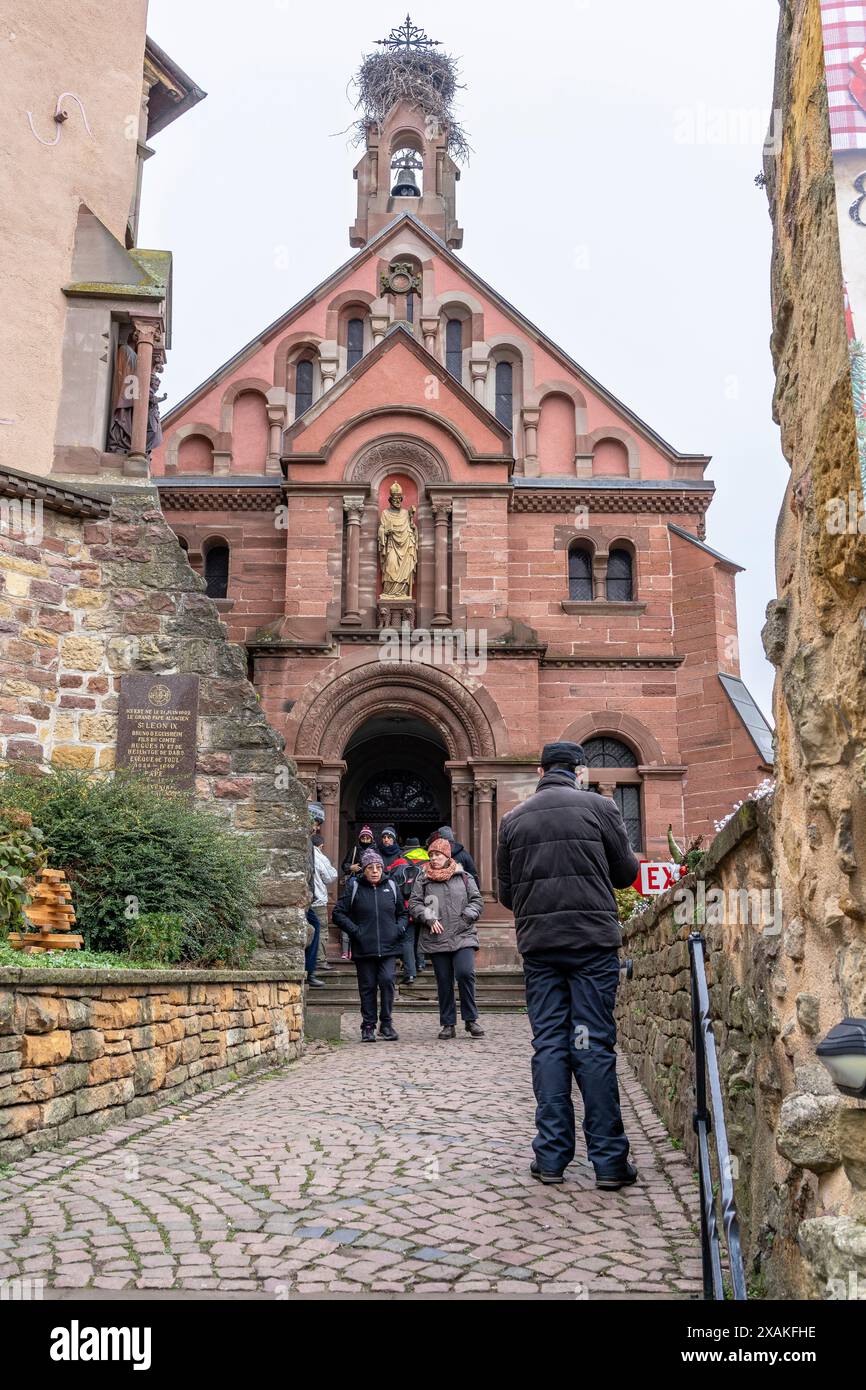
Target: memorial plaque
[{"x": 156, "y": 735}]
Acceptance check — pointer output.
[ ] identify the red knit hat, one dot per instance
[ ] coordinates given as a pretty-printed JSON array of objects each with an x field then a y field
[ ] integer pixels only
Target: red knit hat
[{"x": 440, "y": 847}]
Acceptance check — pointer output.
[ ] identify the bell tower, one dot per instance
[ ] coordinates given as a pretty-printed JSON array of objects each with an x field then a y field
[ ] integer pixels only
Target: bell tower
[{"x": 407, "y": 126}]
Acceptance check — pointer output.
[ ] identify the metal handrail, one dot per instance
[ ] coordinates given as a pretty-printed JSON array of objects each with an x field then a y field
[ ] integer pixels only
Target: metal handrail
[{"x": 707, "y": 1067}]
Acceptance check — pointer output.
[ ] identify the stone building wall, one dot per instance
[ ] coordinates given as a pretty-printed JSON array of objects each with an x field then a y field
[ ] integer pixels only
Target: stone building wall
[
  {"x": 815, "y": 633},
  {"x": 50, "y": 50},
  {"x": 106, "y": 590},
  {"x": 84, "y": 1049}
]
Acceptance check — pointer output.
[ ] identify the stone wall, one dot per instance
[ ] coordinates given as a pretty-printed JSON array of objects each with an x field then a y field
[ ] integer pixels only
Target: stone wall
[
  {"x": 815, "y": 633},
  {"x": 84, "y": 1049},
  {"x": 794, "y": 1139},
  {"x": 102, "y": 588}
]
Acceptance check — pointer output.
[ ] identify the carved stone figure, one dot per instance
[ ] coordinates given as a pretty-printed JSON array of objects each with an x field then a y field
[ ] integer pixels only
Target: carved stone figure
[
  {"x": 398, "y": 546},
  {"x": 124, "y": 391}
]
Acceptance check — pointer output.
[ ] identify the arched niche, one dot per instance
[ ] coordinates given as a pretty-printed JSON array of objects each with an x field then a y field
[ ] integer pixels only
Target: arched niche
[
  {"x": 557, "y": 435},
  {"x": 249, "y": 432}
]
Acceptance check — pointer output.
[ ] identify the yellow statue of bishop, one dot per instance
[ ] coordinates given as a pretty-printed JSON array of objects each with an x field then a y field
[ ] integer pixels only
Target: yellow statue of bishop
[{"x": 398, "y": 546}]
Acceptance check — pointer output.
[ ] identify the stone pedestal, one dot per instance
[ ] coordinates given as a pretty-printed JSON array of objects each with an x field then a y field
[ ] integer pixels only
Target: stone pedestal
[{"x": 395, "y": 612}]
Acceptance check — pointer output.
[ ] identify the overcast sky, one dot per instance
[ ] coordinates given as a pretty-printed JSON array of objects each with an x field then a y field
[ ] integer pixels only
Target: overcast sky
[{"x": 610, "y": 197}]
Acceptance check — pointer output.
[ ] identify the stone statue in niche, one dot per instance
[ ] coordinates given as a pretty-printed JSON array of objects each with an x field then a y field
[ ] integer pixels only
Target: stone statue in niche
[
  {"x": 124, "y": 392},
  {"x": 398, "y": 546}
]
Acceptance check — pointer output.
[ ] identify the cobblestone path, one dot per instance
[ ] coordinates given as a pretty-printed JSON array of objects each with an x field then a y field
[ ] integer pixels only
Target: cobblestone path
[{"x": 392, "y": 1168}]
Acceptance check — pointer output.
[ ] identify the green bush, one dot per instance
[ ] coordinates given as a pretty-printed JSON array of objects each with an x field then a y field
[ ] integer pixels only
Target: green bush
[
  {"x": 159, "y": 936},
  {"x": 71, "y": 960},
  {"x": 22, "y": 855},
  {"x": 131, "y": 849}
]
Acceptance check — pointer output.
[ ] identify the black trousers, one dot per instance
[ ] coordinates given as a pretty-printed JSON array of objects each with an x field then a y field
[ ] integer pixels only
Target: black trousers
[
  {"x": 449, "y": 966},
  {"x": 570, "y": 998},
  {"x": 376, "y": 973}
]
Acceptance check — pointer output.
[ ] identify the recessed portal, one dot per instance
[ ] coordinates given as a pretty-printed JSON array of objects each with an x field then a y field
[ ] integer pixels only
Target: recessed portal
[{"x": 396, "y": 776}]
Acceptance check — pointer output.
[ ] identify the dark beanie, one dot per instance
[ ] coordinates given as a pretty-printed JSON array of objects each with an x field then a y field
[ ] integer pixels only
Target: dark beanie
[{"x": 566, "y": 754}]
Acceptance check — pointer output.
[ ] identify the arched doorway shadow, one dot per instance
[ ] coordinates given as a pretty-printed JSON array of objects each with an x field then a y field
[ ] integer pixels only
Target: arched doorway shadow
[{"x": 395, "y": 775}]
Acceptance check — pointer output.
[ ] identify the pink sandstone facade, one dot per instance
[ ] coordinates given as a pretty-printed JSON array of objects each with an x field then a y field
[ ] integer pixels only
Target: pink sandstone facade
[{"x": 558, "y": 533}]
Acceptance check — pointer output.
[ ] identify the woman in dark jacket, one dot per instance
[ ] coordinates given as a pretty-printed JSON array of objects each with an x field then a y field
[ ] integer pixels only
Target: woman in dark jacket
[
  {"x": 373, "y": 915},
  {"x": 445, "y": 898}
]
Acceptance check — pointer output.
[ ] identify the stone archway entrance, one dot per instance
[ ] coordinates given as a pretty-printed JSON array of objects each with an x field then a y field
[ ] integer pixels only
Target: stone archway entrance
[{"x": 395, "y": 775}]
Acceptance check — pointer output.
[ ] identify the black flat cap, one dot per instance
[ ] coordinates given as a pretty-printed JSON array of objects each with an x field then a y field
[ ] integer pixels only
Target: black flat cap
[{"x": 571, "y": 754}]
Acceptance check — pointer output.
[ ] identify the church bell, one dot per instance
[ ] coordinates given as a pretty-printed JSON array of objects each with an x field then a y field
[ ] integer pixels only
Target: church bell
[{"x": 406, "y": 185}]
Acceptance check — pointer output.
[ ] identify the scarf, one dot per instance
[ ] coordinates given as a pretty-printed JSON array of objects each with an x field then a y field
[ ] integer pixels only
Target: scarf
[{"x": 442, "y": 875}]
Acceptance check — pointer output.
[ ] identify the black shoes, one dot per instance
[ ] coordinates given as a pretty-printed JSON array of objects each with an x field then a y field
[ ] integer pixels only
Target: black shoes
[
  {"x": 549, "y": 1179},
  {"x": 407, "y": 980},
  {"x": 313, "y": 983},
  {"x": 448, "y": 1032},
  {"x": 474, "y": 1029},
  {"x": 368, "y": 1034},
  {"x": 612, "y": 1182},
  {"x": 386, "y": 1031}
]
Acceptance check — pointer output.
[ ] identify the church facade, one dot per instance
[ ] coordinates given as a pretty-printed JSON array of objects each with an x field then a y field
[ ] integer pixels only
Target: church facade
[{"x": 551, "y": 577}]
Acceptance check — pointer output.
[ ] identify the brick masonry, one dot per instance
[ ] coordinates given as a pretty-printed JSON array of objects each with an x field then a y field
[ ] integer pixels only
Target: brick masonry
[{"x": 77, "y": 1056}]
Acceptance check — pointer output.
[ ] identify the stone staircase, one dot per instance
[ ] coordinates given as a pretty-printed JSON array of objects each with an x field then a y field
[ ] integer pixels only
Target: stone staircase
[{"x": 498, "y": 988}]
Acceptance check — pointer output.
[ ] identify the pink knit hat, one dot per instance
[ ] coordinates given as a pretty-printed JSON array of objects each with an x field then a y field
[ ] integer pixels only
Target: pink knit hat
[{"x": 440, "y": 847}]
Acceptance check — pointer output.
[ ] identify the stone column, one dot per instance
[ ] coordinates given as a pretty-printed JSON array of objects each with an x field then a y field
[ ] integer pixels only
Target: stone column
[
  {"x": 530, "y": 417},
  {"x": 484, "y": 835},
  {"x": 441, "y": 512},
  {"x": 430, "y": 329},
  {"x": 607, "y": 788},
  {"x": 379, "y": 323},
  {"x": 276, "y": 424},
  {"x": 354, "y": 510},
  {"x": 478, "y": 367},
  {"x": 599, "y": 574},
  {"x": 147, "y": 331},
  {"x": 329, "y": 795},
  {"x": 461, "y": 813},
  {"x": 328, "y": 366}
]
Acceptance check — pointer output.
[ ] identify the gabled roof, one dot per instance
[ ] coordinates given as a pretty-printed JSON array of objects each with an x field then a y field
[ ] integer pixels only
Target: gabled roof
[
  {"x": 702, "y": 545},
  {"x": 172, "y": 91},
  {"x": 398, "y": 336},
  {"x": 373, "y": 248}
]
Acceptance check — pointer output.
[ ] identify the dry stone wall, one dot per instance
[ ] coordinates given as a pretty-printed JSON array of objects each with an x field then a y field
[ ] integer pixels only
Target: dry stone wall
[
  {"x": 816, "y": 638},
  {"x": 81, "y": 1050}
]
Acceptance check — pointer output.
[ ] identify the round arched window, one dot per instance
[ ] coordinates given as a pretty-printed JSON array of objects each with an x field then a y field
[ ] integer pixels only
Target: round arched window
[{"x": 609, "y": 753}]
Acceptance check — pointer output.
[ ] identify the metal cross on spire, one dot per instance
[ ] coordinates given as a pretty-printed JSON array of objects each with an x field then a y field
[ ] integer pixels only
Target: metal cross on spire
[{"x": 408, "y": 36}]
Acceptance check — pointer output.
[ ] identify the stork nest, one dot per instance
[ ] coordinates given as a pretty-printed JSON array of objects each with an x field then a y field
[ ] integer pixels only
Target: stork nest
[{"x": 426, "y": 79}]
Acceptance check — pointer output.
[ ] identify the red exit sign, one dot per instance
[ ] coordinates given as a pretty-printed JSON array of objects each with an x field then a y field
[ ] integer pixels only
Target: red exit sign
[{"x": 657, "y": 878}]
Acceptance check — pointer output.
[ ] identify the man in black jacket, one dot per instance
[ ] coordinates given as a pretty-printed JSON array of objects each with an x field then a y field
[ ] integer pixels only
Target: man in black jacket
[{"x": 560, "y": 855}]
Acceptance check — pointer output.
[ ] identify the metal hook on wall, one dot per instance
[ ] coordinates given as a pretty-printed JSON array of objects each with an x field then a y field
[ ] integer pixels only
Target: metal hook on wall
[{"x": 60, "y": 116}]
